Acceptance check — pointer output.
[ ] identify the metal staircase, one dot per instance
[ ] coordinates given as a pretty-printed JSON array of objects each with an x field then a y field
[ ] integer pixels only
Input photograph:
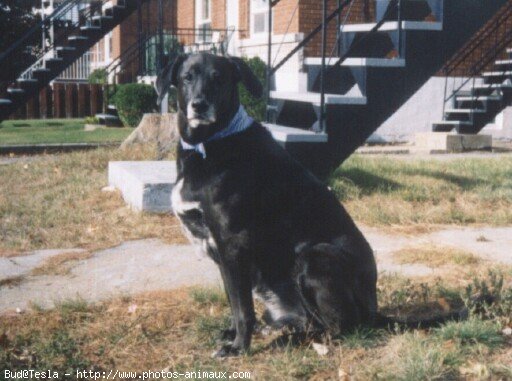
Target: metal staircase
[
  {"x": 75, "y": 25},
  {"x": 374, "y": 67},
  {"x": 363, "y": 51},
  {"x": 471, "y": 103}
]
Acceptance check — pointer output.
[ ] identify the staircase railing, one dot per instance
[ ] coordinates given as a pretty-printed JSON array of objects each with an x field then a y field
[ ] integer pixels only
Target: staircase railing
[
  {"x": 482, "y": 49},
  {"x": 345, "y": 5},
  {"x": 134, "y": 51},
  {"x": 27, "y": 51}
]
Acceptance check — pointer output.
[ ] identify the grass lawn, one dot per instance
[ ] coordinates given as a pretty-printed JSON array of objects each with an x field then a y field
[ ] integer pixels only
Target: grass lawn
[
  {"x": 56, "y": 202},
  {"x": 13, "y": 132},
  {"x": 384, "y": 191},
  {"x": 178, "y": 331}
]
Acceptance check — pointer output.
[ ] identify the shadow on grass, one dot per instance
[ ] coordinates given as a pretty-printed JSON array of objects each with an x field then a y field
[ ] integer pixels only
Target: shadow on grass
[
  {"x": 367, "y": 182},
  {"x": 463, "y": 182}
]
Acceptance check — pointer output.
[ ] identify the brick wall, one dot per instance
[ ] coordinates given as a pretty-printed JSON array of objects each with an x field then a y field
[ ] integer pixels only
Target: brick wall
[
  {"x": 186, "y": 17},
  {"x": 310, "y": 17},
  {"x": 243, "y": 20},
  {"x": 481, "y": 45},
  {"x": 218, "y": 14}
]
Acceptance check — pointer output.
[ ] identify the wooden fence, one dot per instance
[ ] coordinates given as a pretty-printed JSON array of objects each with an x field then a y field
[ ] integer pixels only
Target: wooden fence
[{"x": 63, "y": 100}]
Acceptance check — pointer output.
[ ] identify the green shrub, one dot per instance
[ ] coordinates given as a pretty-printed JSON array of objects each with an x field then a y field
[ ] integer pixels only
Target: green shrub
[
  {"x": 91, "y": 120},
  {"x": 133, "y": 100},
  {"x": 98, "y": 77},
  {"x": 255, "y": 107}
]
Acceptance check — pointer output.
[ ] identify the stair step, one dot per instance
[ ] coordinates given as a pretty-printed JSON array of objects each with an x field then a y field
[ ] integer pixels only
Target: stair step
[
  {"x": 497, "y": 74},
  {"x": 448, "y": 125},
  {"x": 503, "y": 62},
  {"x": 294, "y": 135},
  {"x": 314, "y": 98},
  {"x": 453, "y": 122},
  {"x": 65, "y": 48},
  {"x": 393, "y": 25},
  {"x": 478, "y": 98},
  {"x": 464, "y": 111},
  {"x": 355, "y": 61},
  {"x": 78, "y": 38},
  {"x": 102, "y": 17},
  {"x": 90, "y": 27},
  {"x": 106, "y": 116},
  {"x": 5, "y": 102},
  {"x": 493, "y": 86},
  {"x": 13, "y": 90},
  {"x": 54, "y": 59}
]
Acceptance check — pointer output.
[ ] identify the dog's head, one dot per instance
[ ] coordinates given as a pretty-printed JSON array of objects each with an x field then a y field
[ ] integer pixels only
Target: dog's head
[{"x": 207, "y": 92}]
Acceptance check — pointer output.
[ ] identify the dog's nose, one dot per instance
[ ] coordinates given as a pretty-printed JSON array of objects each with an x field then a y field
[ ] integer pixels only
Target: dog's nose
[{"x": 199, "y": 105}]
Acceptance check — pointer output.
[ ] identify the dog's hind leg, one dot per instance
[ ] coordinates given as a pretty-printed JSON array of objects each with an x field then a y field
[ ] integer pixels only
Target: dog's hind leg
[
  {"x": 283, "y": 304},
  {"x": 338, "y": 291}
]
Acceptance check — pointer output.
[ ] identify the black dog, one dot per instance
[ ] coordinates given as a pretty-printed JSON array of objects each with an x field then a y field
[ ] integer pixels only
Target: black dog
[{"x": 269, "y": 224}]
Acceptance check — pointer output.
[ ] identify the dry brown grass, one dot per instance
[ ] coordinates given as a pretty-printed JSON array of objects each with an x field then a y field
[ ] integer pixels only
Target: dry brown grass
[
  {"x": 11, "y": 281},
  {"x": 60, "y": 264},
  {"x": 177, "y": 330},
  {"x": 386, "y": 192},
  {"x": 57, "y": 202},
  {"x": 436, "y": 256}
]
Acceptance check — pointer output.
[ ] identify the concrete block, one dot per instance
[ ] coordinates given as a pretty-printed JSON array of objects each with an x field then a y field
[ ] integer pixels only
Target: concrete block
[
  {"x": 145, "y": 185},
  {"x": 444, "y": 142}
]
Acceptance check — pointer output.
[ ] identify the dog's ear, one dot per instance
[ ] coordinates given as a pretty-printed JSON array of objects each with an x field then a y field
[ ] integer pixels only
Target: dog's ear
[
  {"x": 168, "y": 77},
  {"x": 247, "y": 77}
]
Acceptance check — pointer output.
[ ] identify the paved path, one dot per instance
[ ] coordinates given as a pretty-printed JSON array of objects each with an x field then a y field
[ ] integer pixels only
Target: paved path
[{"x": 150, "y": 264}]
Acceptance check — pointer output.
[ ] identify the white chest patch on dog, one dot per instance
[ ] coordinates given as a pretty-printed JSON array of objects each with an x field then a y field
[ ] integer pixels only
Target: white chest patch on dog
[
  {"x": 181, "y": 208},
  {"x": 179, "y": 205}
]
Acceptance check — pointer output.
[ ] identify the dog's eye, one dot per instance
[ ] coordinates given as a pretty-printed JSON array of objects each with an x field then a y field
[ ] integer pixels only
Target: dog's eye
[{"x": 188, "y": 77}]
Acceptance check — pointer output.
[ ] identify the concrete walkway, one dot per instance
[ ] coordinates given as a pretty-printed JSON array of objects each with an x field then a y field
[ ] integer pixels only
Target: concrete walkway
[{"x": 148, "y": 265}]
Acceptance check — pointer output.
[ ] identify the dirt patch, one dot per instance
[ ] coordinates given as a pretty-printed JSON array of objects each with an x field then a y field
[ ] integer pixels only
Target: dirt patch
[
  {"x": 60, "y": 264},
  {"x": 435, "y": 256}
]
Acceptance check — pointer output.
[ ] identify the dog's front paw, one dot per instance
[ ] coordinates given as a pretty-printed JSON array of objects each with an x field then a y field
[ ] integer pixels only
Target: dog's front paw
[{"x": 228, "y": 350}]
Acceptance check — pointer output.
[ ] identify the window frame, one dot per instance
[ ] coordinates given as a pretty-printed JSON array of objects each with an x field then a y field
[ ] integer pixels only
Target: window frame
[
  {"x": 203, "y": 23},
  {"x": 254, "y": 11}
]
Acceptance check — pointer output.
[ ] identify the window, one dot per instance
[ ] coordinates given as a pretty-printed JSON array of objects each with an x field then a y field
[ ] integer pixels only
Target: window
[
  {"x": 259, "y": 16},
  {"x": 203, "y": 21}
]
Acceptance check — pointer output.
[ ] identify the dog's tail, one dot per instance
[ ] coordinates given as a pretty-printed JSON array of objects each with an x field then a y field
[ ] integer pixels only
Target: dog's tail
[
  {"x": 392, "y": 323},
  {"x": 479, "y": 304}
]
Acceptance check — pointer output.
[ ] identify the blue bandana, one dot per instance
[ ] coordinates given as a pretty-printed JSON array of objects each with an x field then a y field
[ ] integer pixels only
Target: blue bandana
[{"x": 240, "y": 122}]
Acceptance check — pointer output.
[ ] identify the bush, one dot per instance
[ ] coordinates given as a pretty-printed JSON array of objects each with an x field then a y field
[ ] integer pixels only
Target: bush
[
  {"x": 133, "y": 100},
  {"x": 98, "y": 77},
  {"x": 91, "y": 120},
  {"x": 255, "y": 107}
]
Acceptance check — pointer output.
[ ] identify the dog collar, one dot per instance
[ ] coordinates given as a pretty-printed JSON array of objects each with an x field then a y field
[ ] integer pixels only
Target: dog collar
[{"x": 240, "y": 122}]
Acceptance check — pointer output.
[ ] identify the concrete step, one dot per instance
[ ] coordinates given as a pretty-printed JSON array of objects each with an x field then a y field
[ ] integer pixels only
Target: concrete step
[
  {"x": 479, "y": 98},
  {"x": 464, "y": 111},
  {"x": 78, "y": 38},
  {"x": 493, "y": 86},
  {"x": 285, "y": 134},
  {"x": 15, "y": 91},
  {"x": 88, "y": 28},
  {"x": 449, "y": 125},
  {"x": 497, "y": 73},
  {"x": 314, "y": 98},
  {"x": 393, "y": 25},
  {"x": 145, "y": 185},
  {"x": 355, "y": 61},
  {"x": 65, "y": 48},
  {"x": 5, "y": 102},
  {"x": 443, "y": 142},
  {"x": 503, "y": 62}
]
